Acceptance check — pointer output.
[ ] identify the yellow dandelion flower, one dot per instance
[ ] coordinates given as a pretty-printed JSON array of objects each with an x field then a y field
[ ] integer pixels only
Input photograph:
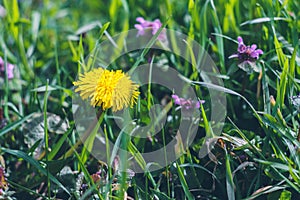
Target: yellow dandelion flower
[{"x": 107, "y": 89}]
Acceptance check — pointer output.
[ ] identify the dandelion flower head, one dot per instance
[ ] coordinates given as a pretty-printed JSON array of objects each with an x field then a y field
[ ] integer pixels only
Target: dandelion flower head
[{"x": 108, "y": 89}]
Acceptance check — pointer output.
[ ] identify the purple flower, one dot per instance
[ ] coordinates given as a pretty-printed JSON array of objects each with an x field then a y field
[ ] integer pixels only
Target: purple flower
[
  {"x": 154, "y": 26},
  {"x": 246, "y": 53},
  {"x": 186, "y": 103},
  {"x": 10, "y": 69}
]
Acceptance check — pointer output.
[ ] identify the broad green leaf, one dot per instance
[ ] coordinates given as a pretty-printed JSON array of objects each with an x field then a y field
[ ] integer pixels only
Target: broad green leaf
[{"x": 33, "y": 128}]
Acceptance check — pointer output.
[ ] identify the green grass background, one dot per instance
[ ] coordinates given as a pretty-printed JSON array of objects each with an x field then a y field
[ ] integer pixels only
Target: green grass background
[{"x": 257, "y": 156}]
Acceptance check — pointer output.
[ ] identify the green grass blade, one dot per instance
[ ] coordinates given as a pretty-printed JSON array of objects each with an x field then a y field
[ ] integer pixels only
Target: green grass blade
[
  {"x": 16, "y": 185},
  {"x": 46, "y": 138},
  {"x": 266, "y": 92},
  {"x": 15, "y": 124},
  {"x": 278, "y": 48},
  {"x": 89, "y": 142},
  {"x": 283, "y": 83},
  {"x": 87, "y": 175},
  {"x": 59, "y": 144},
  {"x": 160, "y": 195},
  {"x": 229, "y": 178},
  {"x": 34, "y": 163},
  {"x": 292, "y": 71},
  {"x": 265, "y": 190},
  {"x": 218, "y": 30},
  {"x": 13, "y": 16},
  {"x": 228, "y": 91},
  {"x": 184, "y": 183},
  {"x": 137, "y": 155},
  {"x": 264, "y": 19},
  {"x": 276, "y": 165}
]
